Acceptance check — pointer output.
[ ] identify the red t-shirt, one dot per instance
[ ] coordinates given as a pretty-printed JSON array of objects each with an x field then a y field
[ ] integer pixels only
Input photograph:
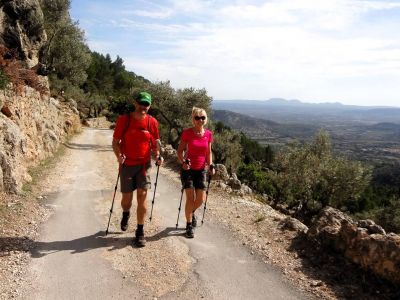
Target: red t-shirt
[
  {"x": 138, "y": 139},
  {"x": 197, "y": 147}
]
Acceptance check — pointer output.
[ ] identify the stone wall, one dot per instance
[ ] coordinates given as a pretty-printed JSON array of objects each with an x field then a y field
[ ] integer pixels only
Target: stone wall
[
  {"x": 364, "y": 243},
  {"x": 32, "y": 126}
]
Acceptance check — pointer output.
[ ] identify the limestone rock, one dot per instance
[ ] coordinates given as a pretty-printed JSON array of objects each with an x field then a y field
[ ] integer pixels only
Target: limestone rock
[
  {"x": 234, "y": 182},
  {"x": 379, "y": 253},
  {"x": 21, "y": 28},
  {"x": 32, "y": 133},
  {"x": 220, "y": 173},
  {"x": 293, "y": 224}
]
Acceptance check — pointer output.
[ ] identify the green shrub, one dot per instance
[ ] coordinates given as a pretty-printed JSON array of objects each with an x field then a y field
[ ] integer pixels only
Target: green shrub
[{"x": 3, "y": 80}]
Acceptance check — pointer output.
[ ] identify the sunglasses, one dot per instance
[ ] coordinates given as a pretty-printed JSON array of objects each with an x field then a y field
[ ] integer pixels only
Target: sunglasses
[
  {"x": 197, "y": 118},
  {"x": 146, "y": 104}
]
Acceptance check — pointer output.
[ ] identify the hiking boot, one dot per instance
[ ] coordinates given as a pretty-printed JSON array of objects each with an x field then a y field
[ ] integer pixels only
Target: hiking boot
[
  {"x": 139, "y": 240},
  {"x": 189, "y": 232},
  {"x": 124, "y": 220},
  {"x": 194, "y": 221}
]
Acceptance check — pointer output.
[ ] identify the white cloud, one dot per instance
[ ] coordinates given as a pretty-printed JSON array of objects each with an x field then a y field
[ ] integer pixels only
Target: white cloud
[
  {"x": 296, "y": 49},
  {"x": 165, "y": 13}
]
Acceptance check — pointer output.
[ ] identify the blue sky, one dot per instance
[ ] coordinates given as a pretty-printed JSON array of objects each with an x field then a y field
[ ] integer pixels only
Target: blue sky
[{"x": 311, "y": 50}]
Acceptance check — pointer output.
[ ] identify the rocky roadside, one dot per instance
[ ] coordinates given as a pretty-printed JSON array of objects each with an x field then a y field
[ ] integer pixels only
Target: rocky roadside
[
  {"x": 268, "y": 234},
  {"x": 21, "y": 216}
]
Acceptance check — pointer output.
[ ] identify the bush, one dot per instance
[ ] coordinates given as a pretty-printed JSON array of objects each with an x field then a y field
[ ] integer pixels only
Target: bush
[
  {"x": 259, "y": 179},
  {"x": 309, "y": 178},
  {"x": 3, "y": 80}
]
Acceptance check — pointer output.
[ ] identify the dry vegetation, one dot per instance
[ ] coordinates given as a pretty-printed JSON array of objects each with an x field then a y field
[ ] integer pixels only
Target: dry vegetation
[{"x": 17, "y": 74}]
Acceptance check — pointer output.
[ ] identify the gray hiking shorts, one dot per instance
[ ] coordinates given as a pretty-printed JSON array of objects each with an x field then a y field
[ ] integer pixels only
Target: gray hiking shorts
[{"x": 133, "y": 177}]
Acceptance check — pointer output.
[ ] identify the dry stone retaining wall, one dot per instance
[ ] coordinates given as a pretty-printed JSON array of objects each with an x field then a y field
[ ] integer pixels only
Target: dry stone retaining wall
[
  {"x": 359, "y": 242},
  {"x": 31, "y": 131}
]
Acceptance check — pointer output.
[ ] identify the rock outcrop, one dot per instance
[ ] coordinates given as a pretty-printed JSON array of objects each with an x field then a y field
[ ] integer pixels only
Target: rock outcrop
[
  {"x": 32, "y": 124},
  {"x": 378, "y": 252},
  {"x": 22, "y": 30}
]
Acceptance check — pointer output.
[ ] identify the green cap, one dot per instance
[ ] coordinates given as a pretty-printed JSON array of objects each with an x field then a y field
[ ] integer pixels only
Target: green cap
[{"x": 144, "y": 97}]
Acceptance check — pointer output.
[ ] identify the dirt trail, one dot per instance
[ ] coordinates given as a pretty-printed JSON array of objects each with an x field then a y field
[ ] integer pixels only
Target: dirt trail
[{"x": 73, "y": 259}]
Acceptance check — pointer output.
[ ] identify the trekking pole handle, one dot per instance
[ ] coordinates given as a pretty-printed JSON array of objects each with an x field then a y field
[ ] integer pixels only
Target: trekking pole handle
[{"x": 159, "y": 159}]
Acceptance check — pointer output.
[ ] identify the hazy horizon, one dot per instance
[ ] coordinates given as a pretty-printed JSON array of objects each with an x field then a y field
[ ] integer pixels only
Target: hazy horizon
[{"x": 306, "y": 102}]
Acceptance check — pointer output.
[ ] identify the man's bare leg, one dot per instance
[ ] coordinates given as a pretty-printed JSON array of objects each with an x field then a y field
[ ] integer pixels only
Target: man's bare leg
[
  {"x": 126, "y": 203},
  {"x": 140, "y": 214}
]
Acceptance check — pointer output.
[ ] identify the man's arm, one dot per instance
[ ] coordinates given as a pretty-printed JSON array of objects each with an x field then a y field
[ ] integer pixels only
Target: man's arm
[
  {"x": 156, "y": 149},
  {"x": 117, "y": 150}
]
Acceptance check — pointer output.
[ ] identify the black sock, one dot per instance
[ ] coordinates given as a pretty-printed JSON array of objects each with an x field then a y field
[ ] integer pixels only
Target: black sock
[
  {"x": 125, "y": 213},
  {"x": 188, "y": 224},
  {"x": 140, "y": 227}
]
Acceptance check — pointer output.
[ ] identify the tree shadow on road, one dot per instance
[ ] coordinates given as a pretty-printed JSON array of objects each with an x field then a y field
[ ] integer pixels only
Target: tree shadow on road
[{"x": 99, "y": 148}]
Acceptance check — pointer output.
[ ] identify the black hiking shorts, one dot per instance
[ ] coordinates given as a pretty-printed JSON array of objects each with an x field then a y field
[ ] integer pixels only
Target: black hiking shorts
[
  {"x": 193, "y": 179},
  {"x": 133, "y": 177}
]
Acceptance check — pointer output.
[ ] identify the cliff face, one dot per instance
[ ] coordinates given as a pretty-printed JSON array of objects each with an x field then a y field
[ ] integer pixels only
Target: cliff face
[
  {"x": 21, "y": 29},
  {"x": 32, "y": 124}
]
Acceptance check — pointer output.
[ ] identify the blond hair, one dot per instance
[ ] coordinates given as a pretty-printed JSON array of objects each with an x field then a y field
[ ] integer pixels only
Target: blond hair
[{"x": 197, "y": 111}]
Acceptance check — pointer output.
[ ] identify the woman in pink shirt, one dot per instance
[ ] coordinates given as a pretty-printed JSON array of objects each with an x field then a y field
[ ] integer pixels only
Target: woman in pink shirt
[{"x": 194, "y": 153}]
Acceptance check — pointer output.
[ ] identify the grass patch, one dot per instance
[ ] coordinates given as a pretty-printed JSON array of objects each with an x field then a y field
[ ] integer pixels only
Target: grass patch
[
  {"x": 38, "y": 172},
  {"x": 259, "y": 218}
]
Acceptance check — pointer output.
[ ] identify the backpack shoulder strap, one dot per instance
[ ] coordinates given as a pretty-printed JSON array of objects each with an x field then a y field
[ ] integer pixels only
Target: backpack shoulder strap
[{"x": 148, "y": 122}]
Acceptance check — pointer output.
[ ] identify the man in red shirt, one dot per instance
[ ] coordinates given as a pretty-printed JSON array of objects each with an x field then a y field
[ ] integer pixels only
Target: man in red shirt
[{"x": 135, "y": 137}]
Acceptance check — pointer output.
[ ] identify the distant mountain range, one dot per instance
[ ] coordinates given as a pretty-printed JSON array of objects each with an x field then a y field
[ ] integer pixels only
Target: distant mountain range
[
  {"x": 368, "y": 141},
  {"x": 295, "y": 111}
]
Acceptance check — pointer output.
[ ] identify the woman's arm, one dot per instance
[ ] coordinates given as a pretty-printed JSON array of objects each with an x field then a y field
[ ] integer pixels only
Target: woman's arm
[
  {"x": 209, "y": 160},
  {"x": 181, "y": 148},
  {"x": 209, "y": 155}
]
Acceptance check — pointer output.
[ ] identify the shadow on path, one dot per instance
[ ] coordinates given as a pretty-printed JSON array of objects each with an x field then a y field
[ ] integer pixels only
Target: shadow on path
[
  {"x": 95, "y": 147},
  {"x": 167, "y": 232},
  {"x": 79, "y": 245}
]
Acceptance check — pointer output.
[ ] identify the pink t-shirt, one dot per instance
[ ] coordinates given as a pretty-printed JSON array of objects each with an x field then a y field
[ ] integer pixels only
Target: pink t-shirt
[{"x": 197, "y": 147}]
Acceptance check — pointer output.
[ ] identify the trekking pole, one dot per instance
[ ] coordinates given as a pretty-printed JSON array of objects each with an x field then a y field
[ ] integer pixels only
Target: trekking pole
[
  {"x": 205, "y": 202},
  {"x": 187, "y": 161},
  {"x": 179, "y": 209},
  {"x": 115, "y": 191},
  {"x": 154, "y": 195}
]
